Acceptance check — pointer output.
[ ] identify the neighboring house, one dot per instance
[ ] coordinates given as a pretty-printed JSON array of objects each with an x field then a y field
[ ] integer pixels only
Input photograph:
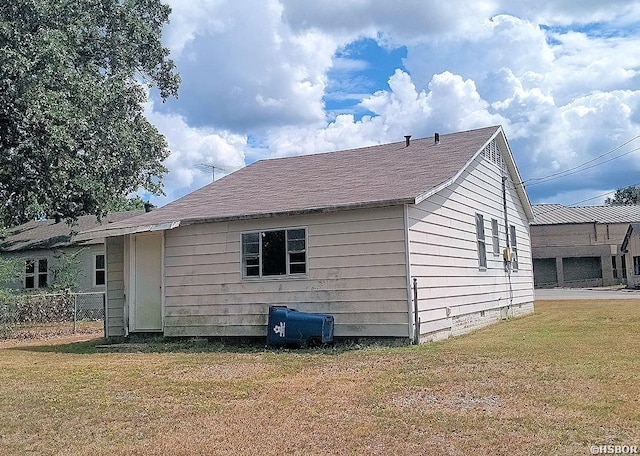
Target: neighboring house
[
  {"x": 344, "y": 233},
  {"x": 42, "y": 244},
  {"x": 580, "y": 246},
  {"x": 631, "y": 250}
]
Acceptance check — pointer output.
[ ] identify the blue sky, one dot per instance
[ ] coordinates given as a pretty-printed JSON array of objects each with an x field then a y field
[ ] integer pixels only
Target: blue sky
[{"x": 270, "y": 78}]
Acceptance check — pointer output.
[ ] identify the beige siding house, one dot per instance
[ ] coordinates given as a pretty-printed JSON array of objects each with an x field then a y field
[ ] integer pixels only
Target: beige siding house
[
  {"x": 41, "y": 245},
  {"x": 404, "y": 240}
]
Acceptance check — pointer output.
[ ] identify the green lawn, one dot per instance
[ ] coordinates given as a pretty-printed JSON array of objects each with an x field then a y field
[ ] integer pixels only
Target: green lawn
[{"x": 554, "y": 382}]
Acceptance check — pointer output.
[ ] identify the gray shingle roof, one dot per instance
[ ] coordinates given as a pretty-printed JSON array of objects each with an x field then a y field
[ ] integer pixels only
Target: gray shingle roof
[
  {"x": 554, "y": 214},
  {"x": 47, "y": 234},
  {"x": 366, "y": 177}
]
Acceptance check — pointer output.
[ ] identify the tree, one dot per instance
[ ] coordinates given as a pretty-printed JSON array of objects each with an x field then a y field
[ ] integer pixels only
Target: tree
[
  {"x": 627, "y": 196},
  {"x": 73, "y": 77}
]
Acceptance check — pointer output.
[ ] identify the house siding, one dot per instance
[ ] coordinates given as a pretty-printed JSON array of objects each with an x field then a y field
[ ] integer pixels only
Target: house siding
[
  {"x": 455, "y": 295},
  {"x": 356, "y": 271},
  {"x": 114, "y": 318},
  {"x": 85, "y": 265},
  {"x": 633, "y": 250}
]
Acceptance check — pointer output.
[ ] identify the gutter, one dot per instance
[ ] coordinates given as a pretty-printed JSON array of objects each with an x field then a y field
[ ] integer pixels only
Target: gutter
[{"x": 110, "y": 232}]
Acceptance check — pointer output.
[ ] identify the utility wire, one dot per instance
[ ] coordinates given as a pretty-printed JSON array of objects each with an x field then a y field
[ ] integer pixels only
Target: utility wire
[
  {"x": 581, "y": 167},
  {"x": 575, "y": 171}
]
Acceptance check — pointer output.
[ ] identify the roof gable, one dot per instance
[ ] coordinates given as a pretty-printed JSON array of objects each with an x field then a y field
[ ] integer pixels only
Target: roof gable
[
  {"x": 374, "y": 176},
  {"x": 633, "y": 228}
]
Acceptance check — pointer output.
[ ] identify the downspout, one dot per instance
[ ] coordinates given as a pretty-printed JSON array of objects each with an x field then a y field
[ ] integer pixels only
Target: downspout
[
  {"x": 416, "y": 313},
  {"x": 410, "y": 307}
]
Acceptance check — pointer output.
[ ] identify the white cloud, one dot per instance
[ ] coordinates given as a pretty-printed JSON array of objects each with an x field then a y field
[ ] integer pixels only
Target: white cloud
[
  {"x": 257, "y": 72},
  {"x": 450, "y": 104},
  {"x": 190, "y": 149},
  {"x": 247, "y": 69}
]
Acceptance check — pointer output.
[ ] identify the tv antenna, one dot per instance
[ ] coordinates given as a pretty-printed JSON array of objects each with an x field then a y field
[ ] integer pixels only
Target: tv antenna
[{"x": 213, "y": 168}]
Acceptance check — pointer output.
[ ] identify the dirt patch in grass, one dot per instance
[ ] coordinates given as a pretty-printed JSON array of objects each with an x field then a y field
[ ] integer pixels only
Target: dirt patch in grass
[{"x": 554, "y": 382}]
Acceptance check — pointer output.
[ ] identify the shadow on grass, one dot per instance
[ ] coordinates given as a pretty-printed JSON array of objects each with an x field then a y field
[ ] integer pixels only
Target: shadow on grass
[{"x": 157, "y": 344}]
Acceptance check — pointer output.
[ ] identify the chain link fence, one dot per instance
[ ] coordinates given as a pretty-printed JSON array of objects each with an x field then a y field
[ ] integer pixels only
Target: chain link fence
[{"x": 41, "y": 315}]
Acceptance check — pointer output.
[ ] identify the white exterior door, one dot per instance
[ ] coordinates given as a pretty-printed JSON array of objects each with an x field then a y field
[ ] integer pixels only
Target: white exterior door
[{"x": 145, "y": 310}]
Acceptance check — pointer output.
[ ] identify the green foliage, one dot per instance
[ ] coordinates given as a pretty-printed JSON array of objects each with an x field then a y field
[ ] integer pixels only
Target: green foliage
[
  {"x": 65, "y": 275},
  {"x": 9, "y": 271},
  {"x": 128, "y": 204},
  {"x": 627, "y": 196},
  {"x": 73, "y": 77}
]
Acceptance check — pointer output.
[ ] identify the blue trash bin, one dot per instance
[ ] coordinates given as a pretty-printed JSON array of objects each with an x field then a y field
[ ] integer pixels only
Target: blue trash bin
[{"x": 291, "y": 327}]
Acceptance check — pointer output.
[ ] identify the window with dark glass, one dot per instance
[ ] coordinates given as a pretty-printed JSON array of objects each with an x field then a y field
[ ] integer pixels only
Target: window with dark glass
[
  {"x": 36, "y": 273},
  {"x": 495, "y": 235},
  {"x": 100, "y": 270},
  {"x": 514, "y": 248},
  {"x": 482, "y": 248},
  {"x": 274, "y": 253}
]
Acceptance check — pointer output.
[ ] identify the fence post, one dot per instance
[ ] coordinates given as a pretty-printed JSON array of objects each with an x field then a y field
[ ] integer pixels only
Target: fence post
[
  {"x": 75, "y": 312},
  {"x": 104, "y": 313}
]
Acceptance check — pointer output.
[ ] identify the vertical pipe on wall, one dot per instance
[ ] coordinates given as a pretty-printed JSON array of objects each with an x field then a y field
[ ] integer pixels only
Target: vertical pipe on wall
[
  {"x": 416, "y": 338},
  {"x": 507, "y": 264}
]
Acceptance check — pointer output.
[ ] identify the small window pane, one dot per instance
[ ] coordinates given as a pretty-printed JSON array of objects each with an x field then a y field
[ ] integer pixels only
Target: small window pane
[
  {"x": 250, "y": 243},
  {"x": 251, "y": 249},
  {"x": 42, "y": 280},
  {"x": 253, "y": 271},
  {"x": 496, "y": 236},
  {"x": 251, "y": 237},
  {"x": 479, "y": 226},
  {"x": 252, "y": 261},
  {"x": 297, "y": 268},
  {"x": 296, "y": 245},
  {"x": 42, "y": 265},
  {"x": 296, "y": 234},
  {"x": 297, "y": 257},
  {"x": 99, "y": 261},
  {"x": 29, "y": 282},
  {"x": 30, "y": 267},
  {"x": 100, "y": 278}
]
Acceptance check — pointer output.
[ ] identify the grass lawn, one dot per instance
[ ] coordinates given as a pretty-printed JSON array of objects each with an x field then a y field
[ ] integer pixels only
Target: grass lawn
[{"x": 555, "y": 382}]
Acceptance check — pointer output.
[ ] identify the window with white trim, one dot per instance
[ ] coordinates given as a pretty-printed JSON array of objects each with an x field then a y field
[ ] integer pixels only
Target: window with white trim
[
  {"x": 274, "y": 253},
  {"x": 495, "y": 236},
  {"x": 36, "y": 273},
  {"x": 99, "y": 270},
  {"x": 514, "y": 248},
  {"x": 482, "y": 247}
]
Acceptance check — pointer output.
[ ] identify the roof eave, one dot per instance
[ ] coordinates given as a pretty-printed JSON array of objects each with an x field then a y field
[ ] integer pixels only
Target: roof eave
[
  {"x": 111, "y": 232},
  {"x": 306, "y": 211}
]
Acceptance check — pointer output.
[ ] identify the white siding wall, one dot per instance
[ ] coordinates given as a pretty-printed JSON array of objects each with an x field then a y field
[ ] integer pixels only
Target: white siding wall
[
  {"x": 454, "y": 294},
  {"x": 356, "y": 272},
  {"x": 115, "y": 287}
]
